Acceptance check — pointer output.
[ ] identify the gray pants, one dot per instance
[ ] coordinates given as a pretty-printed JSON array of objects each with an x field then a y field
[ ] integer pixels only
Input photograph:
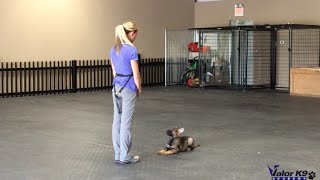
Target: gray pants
[{"x": 121, "y": 127}]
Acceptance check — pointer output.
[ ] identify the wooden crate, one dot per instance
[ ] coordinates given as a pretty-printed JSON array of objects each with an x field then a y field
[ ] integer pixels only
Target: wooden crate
[{"x": 305, "y": 81}]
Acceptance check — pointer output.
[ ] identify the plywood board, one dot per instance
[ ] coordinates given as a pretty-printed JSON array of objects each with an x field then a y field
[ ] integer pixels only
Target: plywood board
[{"x": 305, "y": 81}]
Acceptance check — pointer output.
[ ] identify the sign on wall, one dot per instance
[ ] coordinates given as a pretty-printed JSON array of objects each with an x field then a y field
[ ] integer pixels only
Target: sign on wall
[{"x": 238, "y": 9}]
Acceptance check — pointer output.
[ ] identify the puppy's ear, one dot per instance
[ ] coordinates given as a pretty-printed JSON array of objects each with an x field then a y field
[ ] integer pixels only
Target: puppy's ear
[
  {"x": 180, "y": 130},
  {"x": 169, "y": 133}
]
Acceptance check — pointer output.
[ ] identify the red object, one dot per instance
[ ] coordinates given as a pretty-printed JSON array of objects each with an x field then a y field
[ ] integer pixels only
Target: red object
[
  {"x": 190, "y": 82},
  {"x": 193, "y": 47},
  {"x": 204, "y": 49}
]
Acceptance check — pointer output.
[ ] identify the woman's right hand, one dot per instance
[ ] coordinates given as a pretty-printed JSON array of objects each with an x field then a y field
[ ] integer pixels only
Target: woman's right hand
[
  {"x": 139, "y": 92},
  {"x": 136, "y": 75}
]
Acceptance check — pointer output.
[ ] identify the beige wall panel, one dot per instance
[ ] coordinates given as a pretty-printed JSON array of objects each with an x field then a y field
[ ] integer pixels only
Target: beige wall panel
[
  {"x": 84, "y": 29},
  {"x": 272, "y": 12}
]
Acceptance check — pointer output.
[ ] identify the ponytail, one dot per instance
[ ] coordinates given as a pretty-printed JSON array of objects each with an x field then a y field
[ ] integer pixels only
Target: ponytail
[{"x": 121, "y": 34}]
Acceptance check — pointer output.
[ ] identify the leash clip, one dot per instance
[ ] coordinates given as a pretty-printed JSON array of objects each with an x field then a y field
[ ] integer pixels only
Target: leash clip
[{"x": 116, "y": 94}]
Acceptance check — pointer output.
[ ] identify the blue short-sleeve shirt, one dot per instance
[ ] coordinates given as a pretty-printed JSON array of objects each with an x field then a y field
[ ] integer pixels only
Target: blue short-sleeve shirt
[{"x": 122, "y": 65}]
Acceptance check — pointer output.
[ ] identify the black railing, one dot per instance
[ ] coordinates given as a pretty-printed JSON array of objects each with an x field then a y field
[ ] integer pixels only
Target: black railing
[{"x": 40, "y": 78}]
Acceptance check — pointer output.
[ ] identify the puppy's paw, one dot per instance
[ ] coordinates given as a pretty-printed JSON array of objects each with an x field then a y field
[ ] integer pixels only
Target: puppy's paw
[
  {"x": 168, "y": 152},
  {"x": 163, "y": 151}
]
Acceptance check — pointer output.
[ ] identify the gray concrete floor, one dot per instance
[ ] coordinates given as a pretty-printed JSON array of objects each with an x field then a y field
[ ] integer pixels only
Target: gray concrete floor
[{"x": 69, "y": 136}]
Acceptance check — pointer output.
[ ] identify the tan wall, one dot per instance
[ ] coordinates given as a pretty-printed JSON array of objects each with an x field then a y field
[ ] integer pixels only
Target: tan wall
[
  {"x": 84, "y": 29},
  {"x": 271, "y": 11}
]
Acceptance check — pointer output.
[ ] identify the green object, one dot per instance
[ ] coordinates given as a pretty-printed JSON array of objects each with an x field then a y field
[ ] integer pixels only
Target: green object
[
  {"x": 189, "y": 72},
  {"x": 193, "y": 65}
]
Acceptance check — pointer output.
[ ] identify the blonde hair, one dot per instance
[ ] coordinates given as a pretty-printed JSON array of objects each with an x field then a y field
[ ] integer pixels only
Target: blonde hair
[{"x": 121, "y": 34}]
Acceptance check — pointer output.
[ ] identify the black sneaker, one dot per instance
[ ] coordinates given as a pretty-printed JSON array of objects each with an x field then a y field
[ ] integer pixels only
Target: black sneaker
[
  {"x": 117, "y": 161},
  {"x": 134, "y": 159}
]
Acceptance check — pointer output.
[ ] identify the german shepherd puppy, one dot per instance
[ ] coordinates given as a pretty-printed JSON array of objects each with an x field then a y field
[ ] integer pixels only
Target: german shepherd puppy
[{"x": 177, "y": 143}]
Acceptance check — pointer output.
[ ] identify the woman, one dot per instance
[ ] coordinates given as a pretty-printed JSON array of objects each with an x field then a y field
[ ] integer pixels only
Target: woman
[{"x": 127, "y": 87}]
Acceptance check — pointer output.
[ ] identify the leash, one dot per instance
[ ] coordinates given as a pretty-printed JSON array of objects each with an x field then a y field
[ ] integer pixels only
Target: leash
[{"x": 116, "y": 93}]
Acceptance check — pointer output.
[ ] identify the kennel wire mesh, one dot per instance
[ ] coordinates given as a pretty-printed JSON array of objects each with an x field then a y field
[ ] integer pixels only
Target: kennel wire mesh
[
  {"x": 282, "y": 59},
  {"x": 255, "y": 58},
  {"x": 298, "y": 46},
  {"x": 176, "y": 55},
  {"x": 261, "y": 56},
  {"x": 216, "y": 62},
  {"x": 237, "y": 58},
  {"x": 245, "y": 57}
]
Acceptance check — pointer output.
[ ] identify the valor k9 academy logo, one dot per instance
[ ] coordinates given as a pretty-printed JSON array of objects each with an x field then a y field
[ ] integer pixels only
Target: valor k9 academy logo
[{"x": 278, "y": 174}]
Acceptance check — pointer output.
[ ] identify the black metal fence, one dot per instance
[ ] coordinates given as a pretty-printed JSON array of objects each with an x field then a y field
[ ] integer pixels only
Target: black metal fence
[{"x": 55, "y": 77}]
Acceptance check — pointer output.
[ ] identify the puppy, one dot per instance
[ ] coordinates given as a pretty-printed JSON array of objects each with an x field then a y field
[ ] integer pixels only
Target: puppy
[{"x": 177, "y": 143}]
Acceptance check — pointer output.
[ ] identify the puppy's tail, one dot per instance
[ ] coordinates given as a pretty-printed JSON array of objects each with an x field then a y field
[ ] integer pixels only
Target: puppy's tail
[{"x": 193, "y": 144}]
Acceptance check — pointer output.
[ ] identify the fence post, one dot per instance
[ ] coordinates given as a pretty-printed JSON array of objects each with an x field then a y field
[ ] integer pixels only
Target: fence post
[
  {"x": 74, "y": 76},
  {"x": 163, "y": 70},
  {"x": 273, "y": 56}
]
